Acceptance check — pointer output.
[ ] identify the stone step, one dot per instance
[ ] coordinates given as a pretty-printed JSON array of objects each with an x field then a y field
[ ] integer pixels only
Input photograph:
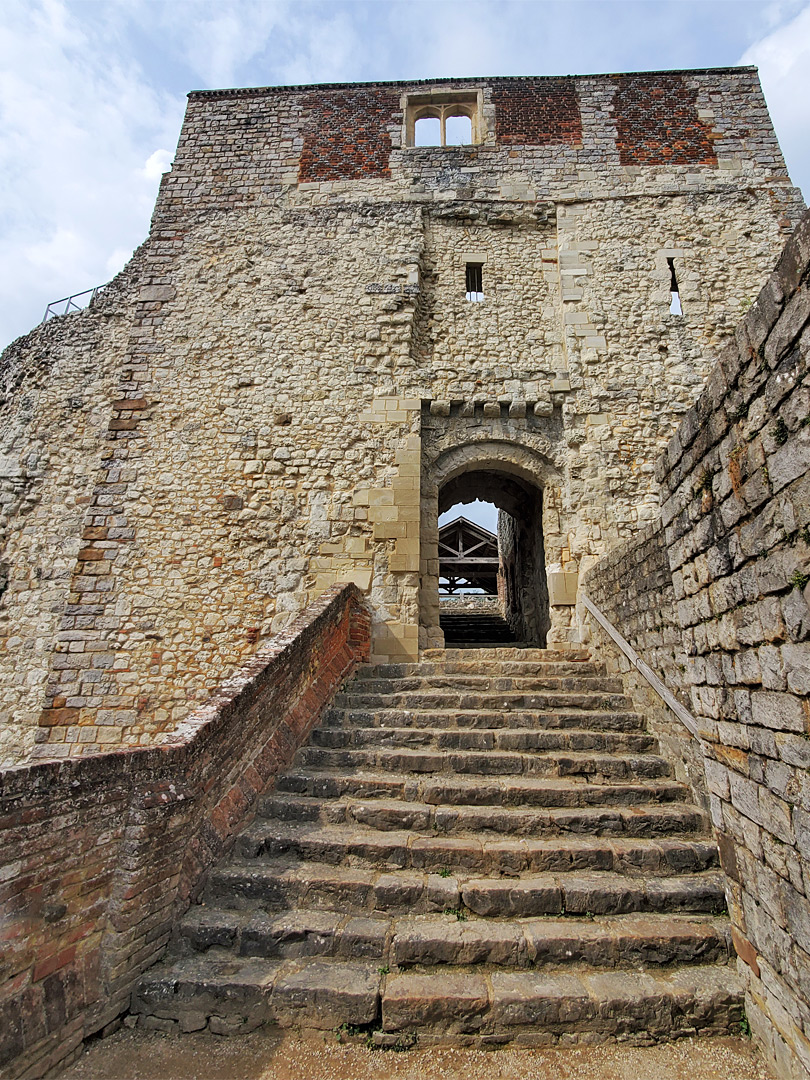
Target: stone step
[
  {"x": 599, "y": 941},
  {"x": 596, "y": 767},
  {"x": 571, "y": 740},
  {"x": 290, "y": 934},
  {"x": 477, "y": 667},
  {"x": 524, "y": 653},
  {"x": 452, "y": 790},
  {"x": 490, "y": 684},
  {"x": 235, "y": 996},
  {"x": 640, "y": 820},
  {"x": 590, "y": 720},
  {"x": 539, "y": 1007},
  {"x": 507, "y": 701},
  {"x": 297, "y": 884},
  {"x": 351, "y": 845},
  {"x": 407, "y": 941}
]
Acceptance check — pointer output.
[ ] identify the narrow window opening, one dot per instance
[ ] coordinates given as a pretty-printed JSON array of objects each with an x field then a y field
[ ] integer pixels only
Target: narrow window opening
[
  {"x": 675, "y": 304},
  {"x": 475, "y": 282},
  {"x": 427, "y": 131},
  {"x": 458, "y": 131}
]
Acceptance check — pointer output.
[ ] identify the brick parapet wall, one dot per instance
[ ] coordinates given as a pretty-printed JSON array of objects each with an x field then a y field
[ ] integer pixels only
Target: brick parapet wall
[
  {"x": 632, "y": 587},
  {"x": 100, "y": 854},
  {"x": 251, "y": 147}
]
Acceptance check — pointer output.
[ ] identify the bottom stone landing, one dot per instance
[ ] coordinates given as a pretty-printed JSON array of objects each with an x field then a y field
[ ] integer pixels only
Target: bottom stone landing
[{"x": 483, "y": 846}]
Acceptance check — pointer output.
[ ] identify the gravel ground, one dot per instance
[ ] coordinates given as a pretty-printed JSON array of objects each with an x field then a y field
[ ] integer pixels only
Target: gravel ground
[{"x": 133, "y": 1055}]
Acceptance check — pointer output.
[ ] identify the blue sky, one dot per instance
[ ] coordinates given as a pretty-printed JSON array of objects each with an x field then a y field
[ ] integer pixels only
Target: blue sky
[{"x": 92, "y": 92}]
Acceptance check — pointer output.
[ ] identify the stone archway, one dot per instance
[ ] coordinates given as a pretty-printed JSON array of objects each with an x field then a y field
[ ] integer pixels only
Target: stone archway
[{"x": 523, "y": 483}]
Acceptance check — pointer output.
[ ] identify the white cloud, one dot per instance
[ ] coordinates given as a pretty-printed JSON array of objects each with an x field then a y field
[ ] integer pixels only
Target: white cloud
[
  {"x": 216, "y": 40},
  {"x": 78, "y": 166},
  {"x": 783, "y": 59},
  {"x": 157, "y": 164}
]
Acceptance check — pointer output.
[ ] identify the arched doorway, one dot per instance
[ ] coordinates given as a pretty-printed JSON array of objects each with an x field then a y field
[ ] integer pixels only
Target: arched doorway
[{"x": 512, "y": 478}]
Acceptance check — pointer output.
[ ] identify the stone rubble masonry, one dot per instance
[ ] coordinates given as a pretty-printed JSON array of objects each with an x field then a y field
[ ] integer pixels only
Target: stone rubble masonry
[
  {"x": 735, "y": 610},
  {"x": 101, "y": 854},
  {"x": 291, "y": 362}
]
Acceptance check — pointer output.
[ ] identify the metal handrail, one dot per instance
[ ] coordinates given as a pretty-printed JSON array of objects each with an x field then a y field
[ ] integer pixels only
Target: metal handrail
[
  {"x": 666, "y": 695},
  {"x": 70, "y": 303}
]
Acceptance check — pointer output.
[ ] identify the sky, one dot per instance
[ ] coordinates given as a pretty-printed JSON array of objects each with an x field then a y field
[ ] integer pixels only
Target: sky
[{"x": 92, "y": 92}]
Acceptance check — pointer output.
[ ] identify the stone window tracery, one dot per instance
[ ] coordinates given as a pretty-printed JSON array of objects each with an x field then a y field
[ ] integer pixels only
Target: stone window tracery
[{"x": 442, "y": 120}]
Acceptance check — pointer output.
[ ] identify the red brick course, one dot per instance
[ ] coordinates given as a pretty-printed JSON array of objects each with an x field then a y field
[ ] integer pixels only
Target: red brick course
[
  {"x": 101, "y": 854},
  {"x": 537, "y": 116},
  {"x": 346, "y": 136},
  {"x": 657, "y": 122}
]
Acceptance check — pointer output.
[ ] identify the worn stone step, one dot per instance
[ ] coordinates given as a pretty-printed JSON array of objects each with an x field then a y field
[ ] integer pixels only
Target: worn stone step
[
  {"x": 530, "y": 1006},
  {"x": 427, "y": 940},
  {"x": 490, "y": 684},
  {"x": 524, "y": 653},
  {"x": 296, "y": 884},
  {"x": 538, "y": 1006},
  {"x": 596, "y": 767},
  {"x": 376, "y": 811},
  {"x": 454, "y": 719},
  {"x": 235, "y": 995},
  {"x": 285, "y": 935},
  {"x": 516, "y": 739},
  {"x": 406, "y": 941},
  {"x": 476, "y": 667},
  {"x": 505, "y": 701},
  {"x": 451, "y": 789},
  {"x": 351, "y": 845}
]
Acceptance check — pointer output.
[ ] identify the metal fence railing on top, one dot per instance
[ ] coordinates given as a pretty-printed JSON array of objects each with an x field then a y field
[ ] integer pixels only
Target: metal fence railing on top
[{"x": 67, "y": 304}]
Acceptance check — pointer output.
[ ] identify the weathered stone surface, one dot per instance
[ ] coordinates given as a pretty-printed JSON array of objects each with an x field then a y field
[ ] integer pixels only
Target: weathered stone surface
[
  {"x": 430, "y": 941},
  {"x": 715, "y": 599},
  {"x": 453, "y": 1003},
  {"x": 182, "y": 472},
  {"x": 543, "y": 1002},
  {"x": 324, "y": 995}
]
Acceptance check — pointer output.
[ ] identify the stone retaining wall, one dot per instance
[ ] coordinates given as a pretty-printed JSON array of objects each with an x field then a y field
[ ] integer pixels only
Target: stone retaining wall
[
  {"x": 632, "y": 587},
  {"x": 735, "y": 525},
  {"x": 99, "y": 854}
]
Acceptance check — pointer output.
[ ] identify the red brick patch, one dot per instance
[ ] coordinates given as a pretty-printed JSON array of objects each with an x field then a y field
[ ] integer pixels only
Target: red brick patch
[
  {"x": 537, "y": 116},
  {"x": 346, "y": 136},
  {"x": 657, "y": 122}
]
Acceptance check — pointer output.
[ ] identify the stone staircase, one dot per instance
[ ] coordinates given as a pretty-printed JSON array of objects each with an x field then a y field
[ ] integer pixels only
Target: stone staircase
[
  {"x": 472, "y": 848},
  {"x": 472, "y": 629}
]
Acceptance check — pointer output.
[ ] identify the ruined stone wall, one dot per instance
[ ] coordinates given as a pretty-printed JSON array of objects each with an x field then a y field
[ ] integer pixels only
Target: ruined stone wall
[
  {"x": 300, "y": 355},
  {"x": 632, "y": 587},
  {"x": 56, "y": 388},
  {"x": 736, "y": 514},
  {"x": 728, "y": 566}
]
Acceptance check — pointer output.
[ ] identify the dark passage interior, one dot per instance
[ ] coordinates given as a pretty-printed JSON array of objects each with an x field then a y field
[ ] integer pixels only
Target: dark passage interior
[{"x": 468, "y": 566}]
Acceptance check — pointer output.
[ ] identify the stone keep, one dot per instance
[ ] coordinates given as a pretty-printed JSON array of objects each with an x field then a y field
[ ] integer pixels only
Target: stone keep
[{"x": 288, "y": 381}]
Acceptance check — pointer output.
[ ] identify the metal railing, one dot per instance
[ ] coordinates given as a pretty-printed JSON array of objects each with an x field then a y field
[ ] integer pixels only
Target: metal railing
[
  {"x": 71, "y": 303},
  {"x": 666, "y": 695}
]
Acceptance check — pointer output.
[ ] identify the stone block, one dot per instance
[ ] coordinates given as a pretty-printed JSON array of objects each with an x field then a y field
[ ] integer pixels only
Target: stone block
[
  {"x": 520, "y": 1000},
  {"x": 779, "y": 711},
  {"x": 455, "y": 1003},
  {"x": 324, "y": 994}
]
